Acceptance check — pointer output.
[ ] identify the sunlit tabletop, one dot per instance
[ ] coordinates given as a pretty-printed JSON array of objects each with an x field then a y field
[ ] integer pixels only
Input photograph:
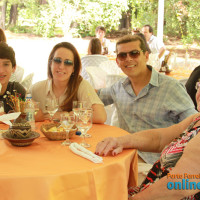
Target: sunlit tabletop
[
  {"x": 46, "y": 170},
  {"x": 180, "y": 73}
]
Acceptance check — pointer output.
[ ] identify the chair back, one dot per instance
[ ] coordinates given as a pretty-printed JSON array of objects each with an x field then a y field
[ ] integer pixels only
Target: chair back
[
  {"x": 91, "y": 60},
  {"x": 111, "y": 67},
  {"x": 17, "y": 75},
  {"x": 97, "y": 77},
  {"x": 27, "y": 82}
]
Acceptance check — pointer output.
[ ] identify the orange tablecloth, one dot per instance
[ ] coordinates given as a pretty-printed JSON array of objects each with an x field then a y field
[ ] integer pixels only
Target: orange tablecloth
[
  {"x": 48, "y": 171},
  {"x": 180, "y": 74},
  {"x": 111, "y": 57}
]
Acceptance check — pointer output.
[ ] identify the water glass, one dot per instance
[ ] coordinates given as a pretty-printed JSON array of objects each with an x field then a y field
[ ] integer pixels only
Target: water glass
[
  {"x": 84, "y": 123},
  {"x": 36, "y": 106},
  {"x": 51, "y": 107},
  {"x": 89, "y": 112}
]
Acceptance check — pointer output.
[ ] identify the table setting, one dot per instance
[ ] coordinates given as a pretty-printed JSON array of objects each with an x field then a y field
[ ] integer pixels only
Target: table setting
[{"x": 46, "y": 169}]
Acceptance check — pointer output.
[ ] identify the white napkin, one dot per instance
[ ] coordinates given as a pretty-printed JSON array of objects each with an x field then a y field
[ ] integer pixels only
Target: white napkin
[
  {"x": 83, "y": 152},
  {"x": 7, "y": 117}
]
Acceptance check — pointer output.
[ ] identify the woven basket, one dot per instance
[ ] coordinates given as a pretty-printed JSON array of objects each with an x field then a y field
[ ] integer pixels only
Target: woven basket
[{"x": 55, "y": 135}]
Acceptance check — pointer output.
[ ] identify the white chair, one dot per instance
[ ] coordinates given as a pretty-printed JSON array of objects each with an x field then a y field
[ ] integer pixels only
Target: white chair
[
  {"x": 97, "y": 77},
  {"x": 111, "y": 67},
  {"x": 17, "y": 75},
  {"x": 91, "y": 60},
  {"x": 112, "y": 117},
  {"x": 154, "y": 61},
  {"x": 27, "y": 82},
  {"x": 112, "y": 78}
]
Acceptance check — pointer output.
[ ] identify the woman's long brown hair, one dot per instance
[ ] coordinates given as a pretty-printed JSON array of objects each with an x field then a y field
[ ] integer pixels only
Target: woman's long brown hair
[{"x": 75, "y": 78}]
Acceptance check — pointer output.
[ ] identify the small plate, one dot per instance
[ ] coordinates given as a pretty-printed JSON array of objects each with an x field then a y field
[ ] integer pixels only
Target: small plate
[{"x": 20, "y": 142}]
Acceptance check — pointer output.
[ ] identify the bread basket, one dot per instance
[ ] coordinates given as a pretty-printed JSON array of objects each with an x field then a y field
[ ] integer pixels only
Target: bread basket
[{"x": 55, "y": 135}]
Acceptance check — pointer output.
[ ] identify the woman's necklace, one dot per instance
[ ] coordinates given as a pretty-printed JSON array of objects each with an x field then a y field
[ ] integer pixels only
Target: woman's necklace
[{"x": 58, "y": 90}]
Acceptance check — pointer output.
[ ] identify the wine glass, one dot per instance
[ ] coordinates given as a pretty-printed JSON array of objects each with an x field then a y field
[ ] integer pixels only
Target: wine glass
[
  {"x": 84, "y": 123},
  {"x": 51, "y": 107},
  {"x": 67, "y": 122}
]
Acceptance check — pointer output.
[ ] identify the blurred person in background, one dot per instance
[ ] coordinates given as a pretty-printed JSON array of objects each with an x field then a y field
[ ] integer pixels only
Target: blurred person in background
[
  {"x": 94, "y": 57},
  {"x": 105, "y": 43},
  {"x": 155, "y": 45},
  {"x": 94, "y": 46}
]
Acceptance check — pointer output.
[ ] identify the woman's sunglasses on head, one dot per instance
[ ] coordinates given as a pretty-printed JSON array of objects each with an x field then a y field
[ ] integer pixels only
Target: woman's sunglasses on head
[
  {"x": 66, "y": 62},
  {"x": 133, "y": 54}
]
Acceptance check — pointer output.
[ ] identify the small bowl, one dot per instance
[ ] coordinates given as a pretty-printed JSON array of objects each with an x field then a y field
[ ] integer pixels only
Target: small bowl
[
  {"x": 20, "y": 142},
  {"x": 55, "y": 135}
]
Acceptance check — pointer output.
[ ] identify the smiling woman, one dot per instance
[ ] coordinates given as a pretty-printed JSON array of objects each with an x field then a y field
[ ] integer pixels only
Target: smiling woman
[
  {"x": 7, "y": 67},
  {"x": 65, "y": 85}
]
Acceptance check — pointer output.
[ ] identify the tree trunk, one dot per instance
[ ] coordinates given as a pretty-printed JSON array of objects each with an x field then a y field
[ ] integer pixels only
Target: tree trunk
[
  {"x": 42, "y": 2},
  {"x": 3, "y": 15},
  {"x": 13, "y": 14}
]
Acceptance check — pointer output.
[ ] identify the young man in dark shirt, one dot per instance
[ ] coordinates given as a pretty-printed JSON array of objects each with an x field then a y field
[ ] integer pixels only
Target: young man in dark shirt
[{"x": 7, "y": 67}]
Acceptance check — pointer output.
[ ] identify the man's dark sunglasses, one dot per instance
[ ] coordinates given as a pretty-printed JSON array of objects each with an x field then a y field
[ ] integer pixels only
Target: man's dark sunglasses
[
  {"x": 66, "y": 62},
  {"x": 133, "y": 54}
]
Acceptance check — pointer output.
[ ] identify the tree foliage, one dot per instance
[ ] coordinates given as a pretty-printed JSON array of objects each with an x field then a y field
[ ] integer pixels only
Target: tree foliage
[
  {"x": 181, "y": 18},
  {"x": 81, "y": 17}
]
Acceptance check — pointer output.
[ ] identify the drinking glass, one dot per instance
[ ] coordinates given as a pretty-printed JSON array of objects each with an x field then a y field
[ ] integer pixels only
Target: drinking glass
[
  {"x": 77, "y": 106},
  {"x": 1, "y": 107},
  {"x": 84, "y": 123},
  {"x": 89, "y": 111},
  {"x": 36, "y": 106},
  {"x": 51, "y": 107},
  {"x": 67, "y": 122}
]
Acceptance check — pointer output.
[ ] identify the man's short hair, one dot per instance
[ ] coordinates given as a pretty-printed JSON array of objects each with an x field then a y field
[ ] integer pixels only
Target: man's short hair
[
  {"x": 100, "y": 28},
  {"x": 7, "y": 52},
  {"x": 132, "y": 38},
  {"x": 150, "y": 28},
  {"x": 143, "y": 37}
]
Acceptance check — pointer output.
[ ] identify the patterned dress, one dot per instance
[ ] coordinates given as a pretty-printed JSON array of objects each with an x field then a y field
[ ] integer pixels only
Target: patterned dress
[{"x": 168, "y": 159}]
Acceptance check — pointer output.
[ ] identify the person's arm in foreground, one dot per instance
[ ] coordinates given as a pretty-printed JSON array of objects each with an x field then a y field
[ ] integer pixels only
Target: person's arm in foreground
[
  {"x": 153, "y": 140},
  {"x": 187, "y": 165}
]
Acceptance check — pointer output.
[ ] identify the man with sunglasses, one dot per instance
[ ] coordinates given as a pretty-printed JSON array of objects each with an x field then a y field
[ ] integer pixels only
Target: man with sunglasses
[{"x": 145, "y": 99}]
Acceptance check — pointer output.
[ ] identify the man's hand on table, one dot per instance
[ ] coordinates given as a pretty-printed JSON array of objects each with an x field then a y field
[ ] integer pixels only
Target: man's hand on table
[{"x": 108, "y": 145}]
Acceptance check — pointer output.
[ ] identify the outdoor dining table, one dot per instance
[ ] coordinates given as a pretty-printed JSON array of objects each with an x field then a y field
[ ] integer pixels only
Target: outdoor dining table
[
  {"x": 180, "y": 73},
  {"x": 46, "y": 170}
]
